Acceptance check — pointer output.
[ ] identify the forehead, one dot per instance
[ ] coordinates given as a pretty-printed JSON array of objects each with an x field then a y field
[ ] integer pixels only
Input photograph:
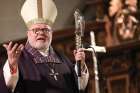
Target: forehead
[{"x": 36, "y": 26}]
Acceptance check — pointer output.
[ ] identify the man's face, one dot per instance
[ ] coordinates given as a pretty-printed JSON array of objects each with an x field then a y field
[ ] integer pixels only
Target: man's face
[{"x": 40, "y": 36}]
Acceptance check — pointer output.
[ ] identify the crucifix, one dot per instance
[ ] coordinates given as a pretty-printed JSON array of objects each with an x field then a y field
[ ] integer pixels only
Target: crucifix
[
  {"x": 96, "y": 49},
  {"x": 54, "y": 74},
  {"x": 93, "y": 48}
]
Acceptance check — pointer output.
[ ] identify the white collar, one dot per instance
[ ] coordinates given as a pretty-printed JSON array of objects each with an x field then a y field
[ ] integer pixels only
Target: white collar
[{"x": 44, "y": 52}]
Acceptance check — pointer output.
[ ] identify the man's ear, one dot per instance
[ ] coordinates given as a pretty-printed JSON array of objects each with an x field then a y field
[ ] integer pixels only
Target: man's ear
[{"x": 27, "y": 33}]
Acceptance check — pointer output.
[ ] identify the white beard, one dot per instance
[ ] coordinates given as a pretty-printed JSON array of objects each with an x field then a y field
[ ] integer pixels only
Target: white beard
[{"x": 40, "y": 45}]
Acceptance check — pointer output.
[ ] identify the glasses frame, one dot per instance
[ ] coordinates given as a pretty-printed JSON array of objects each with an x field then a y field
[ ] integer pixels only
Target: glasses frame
[{"x": 44, "y": 30}]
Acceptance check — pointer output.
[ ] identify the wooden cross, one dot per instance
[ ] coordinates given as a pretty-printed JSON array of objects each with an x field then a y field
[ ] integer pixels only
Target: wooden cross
[{"x": 54, "y": 74}]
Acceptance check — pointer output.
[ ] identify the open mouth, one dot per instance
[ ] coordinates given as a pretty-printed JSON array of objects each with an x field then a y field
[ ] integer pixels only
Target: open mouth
[{"x": 41, "y": 38}]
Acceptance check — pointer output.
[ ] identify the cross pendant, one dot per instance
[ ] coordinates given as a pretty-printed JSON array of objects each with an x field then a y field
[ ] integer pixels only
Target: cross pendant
[{"x": 54, "y": 74}]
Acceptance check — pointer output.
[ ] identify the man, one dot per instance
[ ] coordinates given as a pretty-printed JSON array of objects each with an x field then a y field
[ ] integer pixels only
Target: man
[{"x": 37, "y": 67}]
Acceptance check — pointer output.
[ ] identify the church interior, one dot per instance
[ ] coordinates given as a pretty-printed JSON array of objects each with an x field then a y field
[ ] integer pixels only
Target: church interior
[{"x": 116, "y": 26}]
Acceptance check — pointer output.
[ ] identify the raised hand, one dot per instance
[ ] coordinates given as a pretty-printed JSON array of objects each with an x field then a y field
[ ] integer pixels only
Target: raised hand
[{"x": 13, "y": 52}]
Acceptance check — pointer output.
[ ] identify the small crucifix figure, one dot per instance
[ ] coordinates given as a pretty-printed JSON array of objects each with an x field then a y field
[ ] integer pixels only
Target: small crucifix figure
[{"x": 54, "y": 74}]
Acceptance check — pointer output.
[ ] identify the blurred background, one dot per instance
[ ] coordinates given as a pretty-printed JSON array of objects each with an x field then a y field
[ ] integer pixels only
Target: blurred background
[{"x": 116, "y": 24}]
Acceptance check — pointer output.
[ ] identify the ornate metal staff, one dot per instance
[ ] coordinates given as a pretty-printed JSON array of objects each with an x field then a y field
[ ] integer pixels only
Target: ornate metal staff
[{"x": 79, "y": 28}]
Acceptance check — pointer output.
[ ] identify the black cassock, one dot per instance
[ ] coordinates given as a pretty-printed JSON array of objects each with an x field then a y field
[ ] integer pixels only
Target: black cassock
[{"x": 39, "y": 77}]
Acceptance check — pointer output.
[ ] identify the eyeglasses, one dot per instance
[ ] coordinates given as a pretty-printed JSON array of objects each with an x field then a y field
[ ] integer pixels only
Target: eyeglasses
[{"x": 44, "y": 30}]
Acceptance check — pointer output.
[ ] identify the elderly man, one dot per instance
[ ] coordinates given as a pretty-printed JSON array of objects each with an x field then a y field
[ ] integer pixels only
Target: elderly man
[{"x": 37, "y": 67}]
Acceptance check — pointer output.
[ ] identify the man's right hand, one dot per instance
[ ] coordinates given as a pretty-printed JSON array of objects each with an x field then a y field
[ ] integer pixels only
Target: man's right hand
[{"x": 13, "y": 52}]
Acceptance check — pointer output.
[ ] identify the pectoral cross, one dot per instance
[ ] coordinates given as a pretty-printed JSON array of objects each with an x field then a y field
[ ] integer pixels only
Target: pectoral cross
[{"x": 54, "y": 74}]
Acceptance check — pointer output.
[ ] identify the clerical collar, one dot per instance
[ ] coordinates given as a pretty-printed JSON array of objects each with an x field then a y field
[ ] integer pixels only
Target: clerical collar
[{"x": 44, "y": 52}]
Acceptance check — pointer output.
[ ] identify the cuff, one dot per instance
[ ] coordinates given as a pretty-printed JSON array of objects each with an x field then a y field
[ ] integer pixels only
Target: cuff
[{"x": 10, "y": 77}]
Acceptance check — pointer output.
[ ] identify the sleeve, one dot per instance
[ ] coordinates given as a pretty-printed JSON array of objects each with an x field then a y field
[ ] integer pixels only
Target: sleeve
[
  {"x": 3, "y": 87},
  {"x": 10, "y": 79},
  {"x": 83, "y": 80}
]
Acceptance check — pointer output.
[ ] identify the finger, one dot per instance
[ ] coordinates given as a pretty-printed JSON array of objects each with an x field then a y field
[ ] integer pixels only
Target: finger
[
  {"x": 80, "y": 50},
  {"x": 10, "y": 46},
  {"x": 80, "y": 57},
  {"x": 5, "y": 46},
  {"x": 81, "y": 54},
  {"x": 74, "y": 52},
  {"x": 20, "y": 47},
  {"x": 14, "y": 48}
]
